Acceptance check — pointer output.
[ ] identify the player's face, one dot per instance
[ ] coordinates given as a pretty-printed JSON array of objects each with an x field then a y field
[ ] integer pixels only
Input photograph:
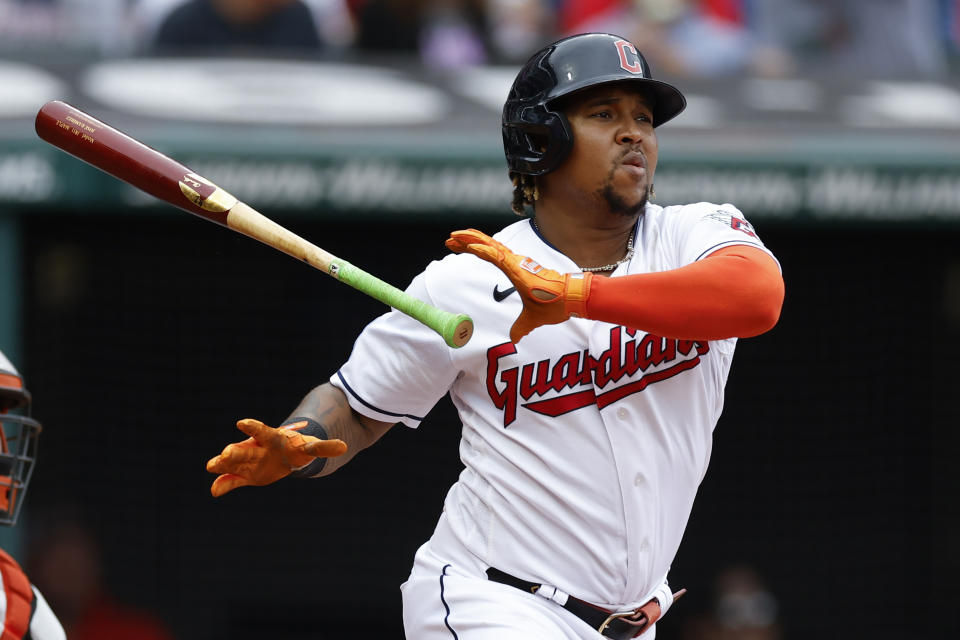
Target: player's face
[{"x": 614, "y": 152}]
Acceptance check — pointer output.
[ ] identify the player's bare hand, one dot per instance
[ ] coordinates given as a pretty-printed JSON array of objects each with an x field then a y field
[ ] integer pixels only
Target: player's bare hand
[
  {"x": 548, "y": 297},
  {"x": 266, "y": 456}
]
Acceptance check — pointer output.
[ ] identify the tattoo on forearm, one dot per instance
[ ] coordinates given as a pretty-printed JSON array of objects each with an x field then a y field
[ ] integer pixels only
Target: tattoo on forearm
[{"x": 330, "y": 408}]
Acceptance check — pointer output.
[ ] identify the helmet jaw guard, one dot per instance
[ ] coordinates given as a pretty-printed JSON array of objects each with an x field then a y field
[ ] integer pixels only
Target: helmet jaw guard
[
  {"x": 19, "y": 434},
  {"x": 536, "y": 137},
  {"x": 539, "y": 141}
]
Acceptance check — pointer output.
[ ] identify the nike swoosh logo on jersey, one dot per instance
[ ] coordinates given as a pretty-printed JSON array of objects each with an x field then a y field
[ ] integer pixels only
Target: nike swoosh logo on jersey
[{"x": 499, "y": 296}]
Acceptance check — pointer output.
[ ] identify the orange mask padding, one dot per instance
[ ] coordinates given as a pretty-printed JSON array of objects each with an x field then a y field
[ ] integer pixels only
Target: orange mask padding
[
  {"x": 8, "y": 494},
  {"x": 734, "y": 292}
]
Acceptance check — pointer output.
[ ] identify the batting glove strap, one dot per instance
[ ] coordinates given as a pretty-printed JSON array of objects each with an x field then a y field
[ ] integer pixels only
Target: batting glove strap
[
  {"x": 576, "y": 292},
  {"x": 307, "y": 427}
]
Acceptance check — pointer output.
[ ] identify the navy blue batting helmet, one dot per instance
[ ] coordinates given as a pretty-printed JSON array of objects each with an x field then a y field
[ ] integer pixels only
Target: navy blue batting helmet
[{"x": 537, "y": 138}]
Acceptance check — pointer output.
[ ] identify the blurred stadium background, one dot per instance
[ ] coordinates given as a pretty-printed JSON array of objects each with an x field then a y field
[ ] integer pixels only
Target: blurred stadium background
[{"x": 144, "y": 333}]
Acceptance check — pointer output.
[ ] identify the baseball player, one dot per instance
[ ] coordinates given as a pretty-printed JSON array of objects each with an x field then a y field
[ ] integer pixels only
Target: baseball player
[
  {"x": 23, "y": 611},
  {"x": 605, "y": 329}
]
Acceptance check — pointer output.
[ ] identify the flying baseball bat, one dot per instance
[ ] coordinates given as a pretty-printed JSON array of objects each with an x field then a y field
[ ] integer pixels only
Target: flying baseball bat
[{"x": 131, "y": 161}]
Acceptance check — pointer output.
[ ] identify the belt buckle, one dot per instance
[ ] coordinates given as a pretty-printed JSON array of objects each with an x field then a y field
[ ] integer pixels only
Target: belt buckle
[{"x": 614, "y": 616}]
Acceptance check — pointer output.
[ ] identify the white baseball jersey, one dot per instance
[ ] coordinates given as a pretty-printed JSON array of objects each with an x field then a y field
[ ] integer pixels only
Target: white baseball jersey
[{"x": 584, "y": 444}]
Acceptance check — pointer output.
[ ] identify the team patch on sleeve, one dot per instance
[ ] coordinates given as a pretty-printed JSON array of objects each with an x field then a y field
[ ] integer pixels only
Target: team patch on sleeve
[{"x": 729, "y": 219}]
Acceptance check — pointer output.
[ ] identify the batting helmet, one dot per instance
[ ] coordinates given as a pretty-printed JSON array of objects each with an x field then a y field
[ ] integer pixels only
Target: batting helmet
[
  {"x": 537, "y": 138},
  {"x": 18, "y": 442}
]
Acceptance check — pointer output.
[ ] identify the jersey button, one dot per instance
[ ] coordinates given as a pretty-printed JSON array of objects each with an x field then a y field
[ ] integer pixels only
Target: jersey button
[{"x": 622, "y": 413}]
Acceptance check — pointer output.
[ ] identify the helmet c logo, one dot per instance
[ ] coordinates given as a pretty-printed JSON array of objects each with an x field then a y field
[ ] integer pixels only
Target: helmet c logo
[{"x": 629, "y": 58}]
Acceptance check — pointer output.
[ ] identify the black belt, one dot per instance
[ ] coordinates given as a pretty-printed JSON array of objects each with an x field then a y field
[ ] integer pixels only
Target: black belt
[{"x": 619, "y": 625}]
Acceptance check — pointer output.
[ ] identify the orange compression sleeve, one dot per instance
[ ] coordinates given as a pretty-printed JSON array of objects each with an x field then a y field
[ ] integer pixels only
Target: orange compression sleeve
[{"x": 734, "y": 292}]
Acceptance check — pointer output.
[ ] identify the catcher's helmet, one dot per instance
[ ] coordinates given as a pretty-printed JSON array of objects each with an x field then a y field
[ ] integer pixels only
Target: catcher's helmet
[
  {"x": 18, "y": 441},
  {"x": 536, "y": 138}
]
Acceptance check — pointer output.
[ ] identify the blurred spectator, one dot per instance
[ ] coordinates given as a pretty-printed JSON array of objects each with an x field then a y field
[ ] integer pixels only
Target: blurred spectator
[
  {"x": 332, "y": 20},
  {"x": 388, "y": 25},
  {"x": 707, "y": 38},
  {"x": 686, "y": 38},
  {"x": 860, "y": 38},
  {"x": 335, "y": 22},
  {"x": 518, "y": 28},
  {"x": 30, "y": 26},
  {"x": 743, "y": 608},
  {"x": 231, "y": 26},
  {"x": 884, "y": 38},
  {"x": 693, "y": 38},
  {"x": 950, "y": 28},
  {"x": 451, "y": 34},
  {"x": 442, "y": 33},
  {"x": 65, "y": 558}
]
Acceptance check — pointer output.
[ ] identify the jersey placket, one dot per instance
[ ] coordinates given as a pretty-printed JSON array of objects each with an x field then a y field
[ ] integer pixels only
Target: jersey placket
[{"x": 637, "y": 500}]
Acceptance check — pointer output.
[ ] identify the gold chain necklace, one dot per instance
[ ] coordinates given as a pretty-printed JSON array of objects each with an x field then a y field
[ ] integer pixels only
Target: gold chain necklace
[{"x": 612, "y": 265}]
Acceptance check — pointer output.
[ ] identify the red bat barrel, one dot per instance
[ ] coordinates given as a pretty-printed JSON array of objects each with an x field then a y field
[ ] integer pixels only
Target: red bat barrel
[{"x": 83, "y": 136}]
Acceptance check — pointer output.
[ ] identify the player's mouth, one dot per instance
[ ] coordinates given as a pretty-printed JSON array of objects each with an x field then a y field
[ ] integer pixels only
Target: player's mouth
[{"x": 635, "y": 163}]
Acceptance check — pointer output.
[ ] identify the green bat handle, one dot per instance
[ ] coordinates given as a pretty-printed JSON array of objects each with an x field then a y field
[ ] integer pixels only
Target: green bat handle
[{"x": 455, "y": 328}]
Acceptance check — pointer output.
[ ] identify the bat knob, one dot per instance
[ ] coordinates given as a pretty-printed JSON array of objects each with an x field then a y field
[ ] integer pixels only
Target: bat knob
[{"x": 459, "y": 331}]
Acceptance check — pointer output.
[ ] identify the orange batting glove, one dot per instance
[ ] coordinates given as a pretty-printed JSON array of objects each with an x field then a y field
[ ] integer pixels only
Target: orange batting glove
[
  {"x": 548, "y": 297},
  {"x": 266, "y": 456}
]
